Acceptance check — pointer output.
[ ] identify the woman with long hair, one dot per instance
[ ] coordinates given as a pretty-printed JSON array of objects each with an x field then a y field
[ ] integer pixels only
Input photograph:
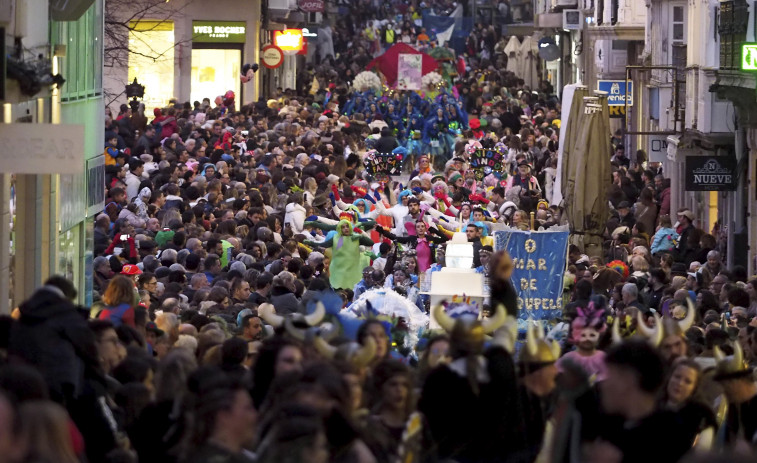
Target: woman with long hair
[
  {"x": 681, "y": 396},
  {"x": 46, "y": 430},
  {"x": 435, "y": 352},
  {"x": 393, "y": 404},
  {"x": 120, "y": 298},
  {"x": 311, "y": 189},
  {"x": 159, "y": 428},
  {"x": 646, "y": 210},
  {"x": 276, "y": 357},
  {"x": 378, "y": 331},
  {"x": 706, "y": 300}
]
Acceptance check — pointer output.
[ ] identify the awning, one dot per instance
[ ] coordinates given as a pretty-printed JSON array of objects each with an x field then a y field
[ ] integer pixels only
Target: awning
[
  {"x": 696, "y": 141},
  {"x": 616, "y": 32},
  {"x": 732, "y": 78}
]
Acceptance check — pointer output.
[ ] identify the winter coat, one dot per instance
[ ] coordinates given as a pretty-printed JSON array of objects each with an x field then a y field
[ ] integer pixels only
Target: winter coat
[
  {"x": 284, "y": 301},
  {"x": 132, "y": 218},
  {"x": 141, "y": 201},
  {"x": 55, "y": 338},
  {"x": 174, "y": 202},
  {"x": 683, "y": 253},
  {"x": 165, "y": 124},
  {"x": 646, "y": 215},
  {"x": 549, "y": 183},
  {"x": 295, "y": 216},
  {"x": 663, "y": 240},
  {"x": 665, "y": 202},
  {"x": 132, "y": 185},
  {"x": 386, "y": 144},
  {"x": 122, "y": 314}
]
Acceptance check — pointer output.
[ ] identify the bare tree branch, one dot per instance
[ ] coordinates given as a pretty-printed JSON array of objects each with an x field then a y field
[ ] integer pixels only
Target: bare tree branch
[{"x": 122, "y": 21}]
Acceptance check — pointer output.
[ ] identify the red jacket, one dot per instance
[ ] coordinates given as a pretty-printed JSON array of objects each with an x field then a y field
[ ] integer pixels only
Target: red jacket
[
  {"x": 665, "y": 202},
  {"x": 132, "y": 251}
]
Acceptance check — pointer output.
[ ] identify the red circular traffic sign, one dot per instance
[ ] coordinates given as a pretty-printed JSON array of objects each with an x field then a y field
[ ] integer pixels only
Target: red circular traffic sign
[{"x": 272, "y": 56}]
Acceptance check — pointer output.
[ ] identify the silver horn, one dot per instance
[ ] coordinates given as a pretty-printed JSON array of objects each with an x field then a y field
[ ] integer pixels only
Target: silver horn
[
  {"x": 268, "y": 313},
  {"x": 441, "y": 317},
  {"x": 688, "y": 320},
  {"x": 317, "y": 315},
  {"x": 497, "y": 319}
]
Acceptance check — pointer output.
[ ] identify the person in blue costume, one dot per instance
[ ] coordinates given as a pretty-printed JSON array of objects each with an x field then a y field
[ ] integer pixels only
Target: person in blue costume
[
  {"x": 371, "y": 110},
  {"x": 363, "y": 207},
  {"x": 442, "y": 98},
  {"x": 438, "y": 139},
  {"x": 413, "y": 143},
  {"x": 463, "y": 114},
  {"x": 407, "y": 110},
  {"x": 354, "y": 104},
  {"x": 456, "y": 116},
  {"x": 394, "y": 120}
]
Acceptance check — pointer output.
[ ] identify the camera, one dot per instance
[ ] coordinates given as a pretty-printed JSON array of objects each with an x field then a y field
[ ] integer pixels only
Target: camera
[{"x": 124, "y": 237}]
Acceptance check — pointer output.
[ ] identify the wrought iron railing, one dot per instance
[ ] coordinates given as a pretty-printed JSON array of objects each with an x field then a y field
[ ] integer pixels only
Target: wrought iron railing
[{"x": 732, "y": 26}]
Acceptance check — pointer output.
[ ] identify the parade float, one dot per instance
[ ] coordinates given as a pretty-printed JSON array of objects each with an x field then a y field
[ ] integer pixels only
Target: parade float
[{"x": 457, "y": 280}]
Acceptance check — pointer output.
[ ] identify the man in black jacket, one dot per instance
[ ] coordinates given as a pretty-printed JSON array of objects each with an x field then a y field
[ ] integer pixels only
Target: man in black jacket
[
  {"x": 387, "y": 143},
  {"x": 52, "y": 335},
  {"x": 635, "y": 375},
  {"x": 474, "y": 236},
  {"x": 686, "y": 219}
]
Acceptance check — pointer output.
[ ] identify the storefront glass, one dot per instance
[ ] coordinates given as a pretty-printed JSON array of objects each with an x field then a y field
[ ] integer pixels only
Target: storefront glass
[
  {"x": 214, "y": 72},
  {"x": 69, "y": 264},
  {"x": 151, "y": 60}
]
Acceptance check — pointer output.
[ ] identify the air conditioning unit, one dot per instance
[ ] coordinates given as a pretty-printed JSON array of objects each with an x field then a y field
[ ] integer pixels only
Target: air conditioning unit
[
  {"x": 281, "y": 8},
  {"x": 572, "y": 20}
]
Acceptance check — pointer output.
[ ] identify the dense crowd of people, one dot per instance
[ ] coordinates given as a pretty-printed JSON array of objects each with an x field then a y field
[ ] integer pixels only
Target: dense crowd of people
[{"x": 234, "y": 240}]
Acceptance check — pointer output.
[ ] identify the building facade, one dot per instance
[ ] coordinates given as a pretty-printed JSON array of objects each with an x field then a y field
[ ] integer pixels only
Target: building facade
[
  {"x": 705, "y": 118},
  {"x": 44, "y": 211},
  {"x": 183, "y": 50}
]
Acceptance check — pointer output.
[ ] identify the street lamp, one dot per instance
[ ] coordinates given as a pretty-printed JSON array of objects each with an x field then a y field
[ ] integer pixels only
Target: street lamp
[{"x": 135, "y": 90}]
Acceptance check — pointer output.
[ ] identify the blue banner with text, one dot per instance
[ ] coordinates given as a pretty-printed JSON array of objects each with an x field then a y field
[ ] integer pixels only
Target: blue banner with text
[{"x": 539, "y": 260}]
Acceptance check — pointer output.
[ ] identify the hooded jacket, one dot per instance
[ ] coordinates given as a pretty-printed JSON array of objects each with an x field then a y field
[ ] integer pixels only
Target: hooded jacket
[
  {"x": 174, "y": 202},
  {"x": 284, "y": 300},
  {"x": 142, "y": 199},
  {"x": 54, "y": 337},
  {"x": 164, "y": 125},
  {"x": 295, "y": 216},
  {"x": 132, "y": 218}
]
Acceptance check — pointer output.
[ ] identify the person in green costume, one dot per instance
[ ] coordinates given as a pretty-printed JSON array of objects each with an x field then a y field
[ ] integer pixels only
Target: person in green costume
[{"x": 345, "y": 269}]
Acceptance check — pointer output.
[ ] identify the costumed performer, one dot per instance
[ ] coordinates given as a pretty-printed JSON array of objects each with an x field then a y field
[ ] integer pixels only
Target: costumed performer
[
  {"x": 586, "y": 329},
  {"x": 345, "y": 266}
]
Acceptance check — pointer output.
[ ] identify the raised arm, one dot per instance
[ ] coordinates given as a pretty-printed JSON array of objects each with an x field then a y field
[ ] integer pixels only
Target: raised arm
[
  {"x": 321, "y": 222},
  {"x": 325, "y": 244},
  {"x": 399, "y": 239}
]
